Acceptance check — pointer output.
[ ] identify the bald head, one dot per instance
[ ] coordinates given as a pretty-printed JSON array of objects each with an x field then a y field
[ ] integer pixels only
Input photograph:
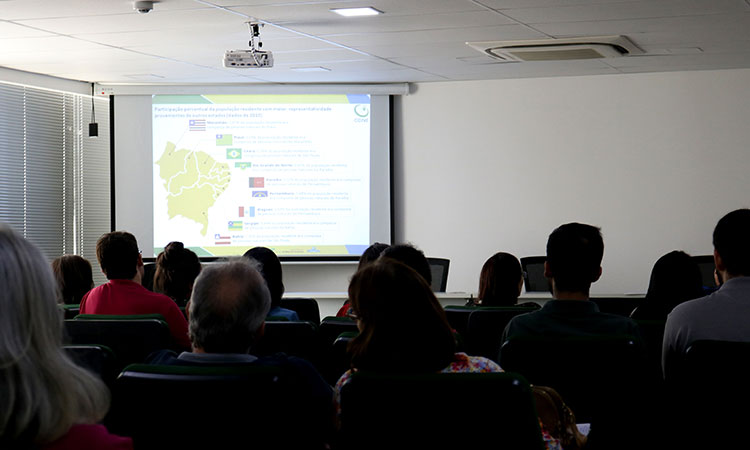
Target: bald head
[{"x": 228, "y": 306}]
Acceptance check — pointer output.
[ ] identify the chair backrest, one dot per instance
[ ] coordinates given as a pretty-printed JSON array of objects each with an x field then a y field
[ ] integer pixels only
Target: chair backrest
[
  {"x": 306, "y": 308},
  {"x": 293, "y": 338},
  {"x": 652, "y": 333},
  {"x": 240, "y": 406},
  {"x": 484, "y": 330},
  {"x": 707, "y": 266},
  {"x": 439, "y": 269},
  {"x": 331, "y": 327},
  {"x": 338, "y": 360},
  {"x": 707, "y": 357},
  {"x": 97, "y": 359},
  {"x": 594, "y": 375},
  {"x": 458, "y": 317},
  {"x": 70, "y": 311},
  {"x": 622, "y": 306},
  {"x": 149, "y": 270},
  {"x": 707, "y": 393},
  {"x": 130, "y": 337},
  {"x": 533, "y": 274},
  {"x": 334, "y": 360},
  {"x": 454, "y": 410}
]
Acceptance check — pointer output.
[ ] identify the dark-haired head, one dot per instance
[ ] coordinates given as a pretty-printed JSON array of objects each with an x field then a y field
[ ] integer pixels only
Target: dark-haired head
[
  {"x": 176, "y": 270},
  {"x": 675, "y": 278},
  {"x": 118, "y": 255},
  {"x": 574, "y": 257},
  {"x": 371, "y": 254},
  {"x": 732, "y": 242},
  {"x": 501, "y": 280},
  {"x": 270, "y": 269},
  {"x": 74, "y": 277},
  {"x": 402, "y": 325},
  {"x": 412, "y": 257}
]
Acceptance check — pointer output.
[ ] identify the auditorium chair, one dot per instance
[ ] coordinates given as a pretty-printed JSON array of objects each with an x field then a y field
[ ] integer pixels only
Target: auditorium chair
[
  {"x": 438, "y": 410},
  {"x": 652, "y": 333},
  {"x": 707, "y": 393},
  {"x": 602, "y": 379},
  {"x": 222, "y": 407},
  {"x": 132, "y": 338},
  {"x": 331, "y": 327},
  {"x": 70, "y": 311},
  {"x": 533, "y": 274},
  {"x": 337, "y": 358},
  {"x": 306, "y": 308},
  {"x": 293, "y": 338},
  {"x": 439, "y": 271},
  {"x": 458, "y": 317},
  {"x": 622, "y": 306},
  {"x": 484, "y": 330},
  {"x": 97, "y": 359}
]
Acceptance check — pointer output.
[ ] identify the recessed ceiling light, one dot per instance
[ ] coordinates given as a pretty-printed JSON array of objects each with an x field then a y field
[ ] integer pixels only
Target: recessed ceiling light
[
  {"x": 357, "y": 12},
  {"x": 311, "y": 69}
]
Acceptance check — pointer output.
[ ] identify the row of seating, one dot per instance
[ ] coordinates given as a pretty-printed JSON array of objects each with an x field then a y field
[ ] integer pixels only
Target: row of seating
[{"x": 133, "y": 338}]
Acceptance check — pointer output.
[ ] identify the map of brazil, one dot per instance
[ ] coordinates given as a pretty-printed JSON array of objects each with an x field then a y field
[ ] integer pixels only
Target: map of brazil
[{"x": 193, "y": 181}]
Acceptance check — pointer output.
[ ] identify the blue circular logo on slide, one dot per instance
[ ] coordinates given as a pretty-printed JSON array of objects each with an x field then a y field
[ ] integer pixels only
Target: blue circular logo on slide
[{"x": 362, "y": 110}]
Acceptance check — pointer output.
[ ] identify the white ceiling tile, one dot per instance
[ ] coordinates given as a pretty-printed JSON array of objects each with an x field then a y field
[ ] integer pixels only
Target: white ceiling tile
[
  {"x": 714, "y": 28},
  {"x": 11, "y": 30},
  {"x": 163, "y": 21},
  {"x": 379, "y": 24},
  {"x": 398, "y": 38},
  {"x": 45, "y": 9},
  {"x": 626, "y": 11}
]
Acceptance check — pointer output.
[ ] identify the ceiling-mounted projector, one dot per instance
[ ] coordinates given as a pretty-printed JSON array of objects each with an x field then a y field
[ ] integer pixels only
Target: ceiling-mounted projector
[
  {"x": 252, "y": 57},
  {"x": 247, "y": 58}
]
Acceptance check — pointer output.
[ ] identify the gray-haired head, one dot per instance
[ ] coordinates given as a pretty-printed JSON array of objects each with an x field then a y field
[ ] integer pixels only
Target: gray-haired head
[
  {"x": 43, "y": 393},
  {"x": 229, "y": 304}
]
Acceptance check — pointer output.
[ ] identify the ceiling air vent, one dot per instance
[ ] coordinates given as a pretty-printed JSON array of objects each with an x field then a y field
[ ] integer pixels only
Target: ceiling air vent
[{"x": 558, "y": 49}]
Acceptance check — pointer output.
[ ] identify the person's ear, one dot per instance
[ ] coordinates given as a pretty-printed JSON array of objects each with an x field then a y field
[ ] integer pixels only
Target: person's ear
[
  {"x": 597, "y": 275},
  {"x": 718, "y": 262},
  {"x": 547, "y": 270}
]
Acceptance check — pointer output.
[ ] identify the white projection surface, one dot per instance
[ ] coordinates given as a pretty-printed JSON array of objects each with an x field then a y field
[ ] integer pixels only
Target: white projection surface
[{"x": 289, "y": 172}]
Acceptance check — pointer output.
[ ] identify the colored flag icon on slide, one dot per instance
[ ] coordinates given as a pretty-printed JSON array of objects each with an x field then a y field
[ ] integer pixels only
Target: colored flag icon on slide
[
  {"x": 197, "y": 125},
  {"x": 260, "y": 193},
  {"x": 235, "y": 225},
  {"x": 223, "y": 139},
  {"x": 257, "y": 182},
  {"x": 234, "y": 153}
]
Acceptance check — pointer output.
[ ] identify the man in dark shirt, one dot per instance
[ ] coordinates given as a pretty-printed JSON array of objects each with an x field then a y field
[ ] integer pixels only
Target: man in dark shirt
[
  {"x": 574, "y": 256},
  {"x": 596, "y": 378}
]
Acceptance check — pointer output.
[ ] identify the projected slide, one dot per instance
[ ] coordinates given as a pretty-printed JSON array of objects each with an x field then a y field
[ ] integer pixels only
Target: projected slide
[{"x": 289, "y": 172}]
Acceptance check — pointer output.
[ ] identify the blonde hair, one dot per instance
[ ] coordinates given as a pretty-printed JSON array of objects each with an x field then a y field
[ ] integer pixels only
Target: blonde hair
[{"x": 43, "y": 392}]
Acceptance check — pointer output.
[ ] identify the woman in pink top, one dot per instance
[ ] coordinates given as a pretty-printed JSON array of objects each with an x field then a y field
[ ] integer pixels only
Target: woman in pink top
[{"x": 46, "y": 400}]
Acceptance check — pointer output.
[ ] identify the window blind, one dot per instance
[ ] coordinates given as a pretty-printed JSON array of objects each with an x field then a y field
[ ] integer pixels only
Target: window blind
[{"x": 54, "y": 179}]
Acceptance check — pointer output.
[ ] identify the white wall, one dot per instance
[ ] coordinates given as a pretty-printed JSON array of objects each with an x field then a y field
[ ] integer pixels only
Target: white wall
[{"x": 654, "y": 159}]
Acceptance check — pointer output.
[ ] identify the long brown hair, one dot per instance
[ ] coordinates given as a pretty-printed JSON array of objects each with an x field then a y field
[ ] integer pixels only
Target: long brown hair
[
  {"x": 74, "y": 277},
  {"x": 176, "y": 270},
  {"x": 499, "y": 280},
  {"x": 403, "y": 327}
]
